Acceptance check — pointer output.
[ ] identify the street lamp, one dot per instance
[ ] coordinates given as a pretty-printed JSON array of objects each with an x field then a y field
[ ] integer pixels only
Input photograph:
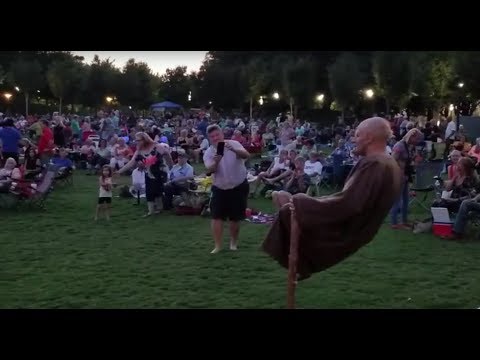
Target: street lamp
[
  {"x": 276, "y": 95},
  {"x": 189, "y": 96},
  {"x": 451, "y": 107},
  {"x": 460, "y": 85},
  {"x": 320, "y": 98},
  {"x": 109, "y": 99},
  {"x": 7, "y": 96},
  {"x": 369, "y": 93},
  {"x": 17, "y": 88},
  {"x": 260, "y": 101},
  {"x": 209, "y": 103}
]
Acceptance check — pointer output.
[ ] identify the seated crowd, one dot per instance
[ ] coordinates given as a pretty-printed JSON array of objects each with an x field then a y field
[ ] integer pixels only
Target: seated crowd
[{"x": 301, "y": 155}]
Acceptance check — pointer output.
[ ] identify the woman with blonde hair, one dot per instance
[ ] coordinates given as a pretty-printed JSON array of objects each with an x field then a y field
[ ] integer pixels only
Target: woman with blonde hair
[
  {"x": 157, "y": 159},
  {"x": 402, "y": 153}
]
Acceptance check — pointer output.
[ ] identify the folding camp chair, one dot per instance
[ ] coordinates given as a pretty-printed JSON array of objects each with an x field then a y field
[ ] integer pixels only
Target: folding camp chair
[
  {"x": 37, "y": 196},
  {"x": 424, "y": 182},
  {"x": 326, "y": 180},
  {"x": 314, "y": 185}
]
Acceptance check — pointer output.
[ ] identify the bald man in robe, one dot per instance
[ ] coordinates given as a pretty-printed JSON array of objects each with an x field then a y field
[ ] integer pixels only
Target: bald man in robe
[{"x": 334, "y": 227}]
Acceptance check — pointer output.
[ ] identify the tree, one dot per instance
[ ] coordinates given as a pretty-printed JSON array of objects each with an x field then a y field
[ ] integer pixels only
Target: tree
[
  {"x": 27, "y": 75},
  {"x": 298, "y": 82},
  {"x": 256, "y": 79},
  {"x": 2, "y": 74},
  {"x": 175, "y": 85},
  {"x": 467, "y": 67},
  {"x": 346, "y": 80},
  {"x": 60, "y": 77},
  {"x": 138, "y": 77},
  {"x": 101, "y": 82},
  {"x": 434, "y": 74},
  {"x": 393, "y": 72}
]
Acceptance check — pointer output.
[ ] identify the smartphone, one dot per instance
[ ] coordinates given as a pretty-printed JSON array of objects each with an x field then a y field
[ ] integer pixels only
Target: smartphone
[{"x": 220, "y": 148}]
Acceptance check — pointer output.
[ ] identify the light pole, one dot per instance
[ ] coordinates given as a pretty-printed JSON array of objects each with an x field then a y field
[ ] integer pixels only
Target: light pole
[{"x": 276, "y": 95}]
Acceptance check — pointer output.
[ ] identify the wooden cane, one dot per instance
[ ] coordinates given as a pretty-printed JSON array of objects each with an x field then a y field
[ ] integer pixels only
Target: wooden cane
[{"x": 292, "y": 260}]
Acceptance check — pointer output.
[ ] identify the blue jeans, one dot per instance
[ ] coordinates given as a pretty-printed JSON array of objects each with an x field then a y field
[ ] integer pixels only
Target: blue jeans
[
  {"x": 462, "y": 216},
  {"x": 401, "y": 203}
]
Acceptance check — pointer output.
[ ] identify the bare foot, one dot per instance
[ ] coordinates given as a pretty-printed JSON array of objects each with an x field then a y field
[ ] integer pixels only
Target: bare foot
[
  {"x": 233, "y": 247},
  {"x": 216, "y": 250}
]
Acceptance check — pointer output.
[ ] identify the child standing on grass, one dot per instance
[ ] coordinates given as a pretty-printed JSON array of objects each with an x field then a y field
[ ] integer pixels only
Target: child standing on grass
[{"x": 105, "y": 192}]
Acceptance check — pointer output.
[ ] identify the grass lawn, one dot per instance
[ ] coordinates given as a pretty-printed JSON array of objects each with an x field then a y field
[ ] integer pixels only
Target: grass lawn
[{"x": 60, "y": 258}]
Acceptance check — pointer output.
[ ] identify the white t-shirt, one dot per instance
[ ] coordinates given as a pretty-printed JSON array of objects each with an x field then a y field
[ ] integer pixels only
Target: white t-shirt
[
  {"x": 313, "y": 167},
  {"x": 451, "y": 129},
  {"x": 138, "y": 177},
  {"x": 104, "y": 193},
  {"x": 204, "y": 145},
  {"x": 277, "y": 165},
  {"x": 231, "y": 170}
]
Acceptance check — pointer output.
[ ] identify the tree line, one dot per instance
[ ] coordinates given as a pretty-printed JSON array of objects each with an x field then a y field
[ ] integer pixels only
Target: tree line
[{"x": 301, "y": 80}]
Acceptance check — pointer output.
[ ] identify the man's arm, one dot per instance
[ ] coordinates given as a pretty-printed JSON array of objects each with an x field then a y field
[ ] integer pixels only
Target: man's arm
[
  {"x": 238, "y": 149},
  {"x": 188, "y": 176}
]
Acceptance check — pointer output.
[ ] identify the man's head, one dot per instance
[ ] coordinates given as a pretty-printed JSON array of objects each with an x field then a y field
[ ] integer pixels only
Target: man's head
[
  {"x": 413, "y": 136},
  {"x": 299, "y": 163},
  {"x": 283, "y": 154},
  {"x": 314, "y": 156},
  {"x": 10, "y": 164},
  {"x": 371, "y": 136},
  {"x": 215, "y": 134},
  {"x": 182, "y": 158},
  {"x": 45, "y": 123},
  {"x": 292, "y": 154}
]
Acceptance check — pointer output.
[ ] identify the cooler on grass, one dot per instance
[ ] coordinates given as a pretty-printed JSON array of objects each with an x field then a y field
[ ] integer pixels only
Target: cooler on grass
[{"x": 442, "y": 224}]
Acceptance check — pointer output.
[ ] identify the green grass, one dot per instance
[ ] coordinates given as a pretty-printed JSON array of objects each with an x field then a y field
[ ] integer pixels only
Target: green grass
[{"x": 60, "y": 258}]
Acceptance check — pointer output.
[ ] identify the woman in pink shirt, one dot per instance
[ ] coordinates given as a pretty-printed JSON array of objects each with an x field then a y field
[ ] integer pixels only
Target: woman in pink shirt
[
  {"x": 475, "y": 151},
  {"x": 452, "y": 169}
]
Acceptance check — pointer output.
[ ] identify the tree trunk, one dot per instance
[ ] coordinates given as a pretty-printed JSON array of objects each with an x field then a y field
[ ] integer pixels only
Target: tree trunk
[
  {"x": 291, "y": 106},
  {"x": 26, "y": 103},
  {"x": 60, "y": 107},
  {"x": 251, "y": 107},
  {"x": 296, "y": 111},
  {"x": 342, "y": 118}
]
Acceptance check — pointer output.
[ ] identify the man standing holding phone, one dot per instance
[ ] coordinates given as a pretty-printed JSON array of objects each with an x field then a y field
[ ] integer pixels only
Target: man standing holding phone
[{"x": 225, "y": 159}]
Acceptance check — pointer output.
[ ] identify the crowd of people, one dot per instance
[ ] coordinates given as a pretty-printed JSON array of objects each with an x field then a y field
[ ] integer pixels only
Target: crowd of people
[{"x": 159, "y": 151}]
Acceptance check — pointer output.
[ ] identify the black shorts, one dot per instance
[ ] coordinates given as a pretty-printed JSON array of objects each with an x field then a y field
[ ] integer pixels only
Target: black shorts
[
  {"x": 104, "y": 200},
  {"x": 229, "y": 204}
]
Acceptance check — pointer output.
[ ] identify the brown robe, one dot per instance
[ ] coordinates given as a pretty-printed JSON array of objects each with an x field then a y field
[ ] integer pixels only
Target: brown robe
[{"x": 334, "y": 227}]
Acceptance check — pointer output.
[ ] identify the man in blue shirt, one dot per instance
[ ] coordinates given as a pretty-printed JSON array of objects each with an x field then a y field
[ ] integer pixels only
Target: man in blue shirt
[
  {"x": 179, "y": 176},
  {"x": 10, "y": 138},
  {"x": 202, "y": 126},
  {"x": 62, "y": 161}
]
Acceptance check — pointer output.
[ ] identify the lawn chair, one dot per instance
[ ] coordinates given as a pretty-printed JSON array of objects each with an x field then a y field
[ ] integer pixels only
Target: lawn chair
[
  {"x": 64, "y": 177},
  {"x": 36, "y": 197},
  {"x": 327, "y": 178},
  {"x": 315, "y": 185},
  {"x": 424, "y": 182}
]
